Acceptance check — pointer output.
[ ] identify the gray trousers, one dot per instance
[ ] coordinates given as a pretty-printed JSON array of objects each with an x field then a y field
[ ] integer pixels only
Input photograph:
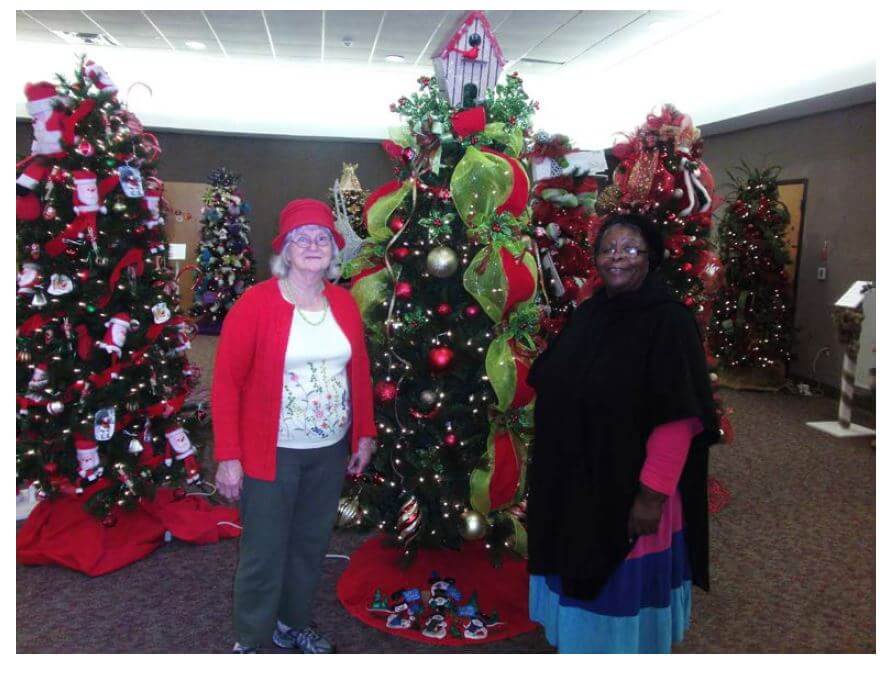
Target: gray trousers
[{"x": 286, "y": 527}]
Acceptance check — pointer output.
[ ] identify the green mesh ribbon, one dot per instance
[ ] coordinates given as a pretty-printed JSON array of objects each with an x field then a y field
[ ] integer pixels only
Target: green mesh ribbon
[
  {"x": 501, "y": 370},
  {"x": 512, "y": 139},
  {"x": 379, "y": 211},
  {"x": 519, "y": 536},
  {"x": 486, "y": 281},
  {"x": 484, "y": 494},
  {"x": 481, "y": 182},
  {"x": 370, "y": 290}
]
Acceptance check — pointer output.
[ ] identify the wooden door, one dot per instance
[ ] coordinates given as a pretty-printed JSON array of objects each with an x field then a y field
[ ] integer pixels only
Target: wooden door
[{"x": 183, "y": 205}]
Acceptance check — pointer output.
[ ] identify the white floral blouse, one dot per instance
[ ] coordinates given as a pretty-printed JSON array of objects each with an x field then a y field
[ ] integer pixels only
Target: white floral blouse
[{"x": 316, "y": 409}]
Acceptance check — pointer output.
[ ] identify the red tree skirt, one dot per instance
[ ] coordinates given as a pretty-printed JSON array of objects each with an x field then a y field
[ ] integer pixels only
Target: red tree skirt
[
  {"x": 60, "y": 531},
  {"x": 504, "y": 590}
]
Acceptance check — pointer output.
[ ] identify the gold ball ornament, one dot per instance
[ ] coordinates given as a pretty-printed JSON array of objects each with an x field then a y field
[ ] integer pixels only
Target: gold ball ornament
[
  {"x": 441, "y": 262},
  {"x": 472, "y": 525},
  {"x": 347, "y": 511}
]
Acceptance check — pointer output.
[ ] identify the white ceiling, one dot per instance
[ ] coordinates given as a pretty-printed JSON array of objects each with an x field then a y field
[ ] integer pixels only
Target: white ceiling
[{"x": 594, "y": 72}]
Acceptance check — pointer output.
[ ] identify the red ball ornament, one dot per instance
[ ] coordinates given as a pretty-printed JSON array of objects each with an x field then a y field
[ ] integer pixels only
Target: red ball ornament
[
  {"x": 472, "y": 311},
  {"x": 440, "y": 359},
  {"x": 450, "y": 439},
  {"x": 85, "y": 149},
  {"x": 49, "y": 213},
  {"x": 403, "y": 290},
  {"x": 385, "y": 391},
  {"x": 443, "y": 310},
  {"x": 397, "y": 224},
  {"x": 400, "y": 253},
  {"x": 689, "y": 301},
  {"x": 687, "y": 267}
]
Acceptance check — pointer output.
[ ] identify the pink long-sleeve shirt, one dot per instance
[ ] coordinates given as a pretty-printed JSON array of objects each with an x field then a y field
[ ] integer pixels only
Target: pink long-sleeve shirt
[{"x": 666, "y": 451}]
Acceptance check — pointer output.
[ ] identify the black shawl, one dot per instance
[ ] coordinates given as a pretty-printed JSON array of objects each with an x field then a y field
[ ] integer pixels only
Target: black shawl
[{"x": 622, "y": 366}]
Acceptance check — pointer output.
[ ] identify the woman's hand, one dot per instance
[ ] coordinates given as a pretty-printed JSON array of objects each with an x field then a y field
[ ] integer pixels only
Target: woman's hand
[
  {"x": 228, "y": 478},
  {"x": 360, "y": 459},
  {"x": 645, "y": 512}
]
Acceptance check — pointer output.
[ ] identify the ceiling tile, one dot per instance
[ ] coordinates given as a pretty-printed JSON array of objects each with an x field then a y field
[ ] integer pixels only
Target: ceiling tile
[{"x": 72, "y": 21}]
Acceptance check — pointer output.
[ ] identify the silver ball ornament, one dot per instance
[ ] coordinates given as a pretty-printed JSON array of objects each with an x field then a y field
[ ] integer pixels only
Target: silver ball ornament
[
  {"x": 472, "y": 525},
  {"x": 441, "y": 262}
]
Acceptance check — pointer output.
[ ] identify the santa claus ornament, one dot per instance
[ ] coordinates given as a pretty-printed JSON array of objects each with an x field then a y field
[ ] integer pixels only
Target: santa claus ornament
[
  {"x": 60, "y": 285},
  {"x": 88, "y": 461},
  {"x": 152, "y": 197},
  {"x": 105, "y": 424},
  {"x": 178, "y": 441},
  {"x": 99, "y": 77},
  {"x": 28, "y": 278},
  {"x": 40, "y": 377},
  {"x": 115, "y": 336},
  {"x": 48, "y": 123},
  {"x": 161, "y": 313},
  {"x": 130, "y": 181},
  {"x": 89, "y": 198}
]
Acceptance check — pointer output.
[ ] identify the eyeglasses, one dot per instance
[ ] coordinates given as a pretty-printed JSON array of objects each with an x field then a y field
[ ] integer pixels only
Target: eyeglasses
[
  {"x": 631, "y": 251},
  {"x": 304, "y": 241}
]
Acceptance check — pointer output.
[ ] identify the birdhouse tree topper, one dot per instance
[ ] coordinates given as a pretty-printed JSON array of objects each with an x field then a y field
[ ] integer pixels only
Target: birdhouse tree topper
[{"x": 470, "y": 63}]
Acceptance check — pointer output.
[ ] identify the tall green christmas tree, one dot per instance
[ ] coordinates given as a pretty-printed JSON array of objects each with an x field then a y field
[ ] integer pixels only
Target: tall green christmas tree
[
  {"x": 446, "y": 283},
  {"x": 101, "y": 349},
  {"x": 225, "y": 258},
  {"x": 752, "y": 326}
]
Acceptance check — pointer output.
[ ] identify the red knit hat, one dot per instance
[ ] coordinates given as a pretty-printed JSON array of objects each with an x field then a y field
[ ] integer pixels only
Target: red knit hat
[{"x": 302, "y": 212}]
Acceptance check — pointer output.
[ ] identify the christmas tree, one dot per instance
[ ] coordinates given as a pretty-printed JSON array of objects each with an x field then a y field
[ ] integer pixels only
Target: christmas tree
[
  {"x": 564, "y": 194},
  {"x": 752, "y": 326},
  {"x": 101, "y": 358},
  {"x": 446, "y": 283},
  {"x": 225, "y": 258},
  {"x": 661, "y": 175},
  {"x": 353, "y": 197}
]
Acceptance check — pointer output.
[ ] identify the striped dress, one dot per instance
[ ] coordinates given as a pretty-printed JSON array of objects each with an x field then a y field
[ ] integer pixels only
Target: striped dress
[{"x": 644, "y": 607}]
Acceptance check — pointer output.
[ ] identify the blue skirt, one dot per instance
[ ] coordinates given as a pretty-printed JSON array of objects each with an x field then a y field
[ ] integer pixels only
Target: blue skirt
[{"x": 645, "y": 606}]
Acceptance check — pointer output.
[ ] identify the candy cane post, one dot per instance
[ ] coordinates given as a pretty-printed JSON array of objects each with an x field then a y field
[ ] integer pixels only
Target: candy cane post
[{"x": 848, "y": 316}]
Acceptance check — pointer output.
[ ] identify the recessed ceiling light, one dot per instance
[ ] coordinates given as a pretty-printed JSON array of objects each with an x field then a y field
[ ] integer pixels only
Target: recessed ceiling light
[
  {"x": 395, "y": 58},
  {"x": 194, "y": 45}
]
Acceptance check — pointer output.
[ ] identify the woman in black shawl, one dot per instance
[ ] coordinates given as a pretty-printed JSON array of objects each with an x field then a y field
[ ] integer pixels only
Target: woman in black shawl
[{"x": 617, "y": 513}]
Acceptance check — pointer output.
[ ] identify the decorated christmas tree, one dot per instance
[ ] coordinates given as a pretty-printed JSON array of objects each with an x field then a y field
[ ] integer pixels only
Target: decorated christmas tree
[
  {"x": 660, "y": 174},
  {"x": 564, "y": 194},
  {"x": 446, "y": 283},
  {"x": 752, "y": 326},
  {"x": 225, "y": 258},
  {"x": 353, "y": 197},
  {"x": 101, "y": 368}
]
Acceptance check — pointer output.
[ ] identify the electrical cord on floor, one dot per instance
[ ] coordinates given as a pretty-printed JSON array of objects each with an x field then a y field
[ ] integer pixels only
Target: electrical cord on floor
[{"x": 235, "y": 525}]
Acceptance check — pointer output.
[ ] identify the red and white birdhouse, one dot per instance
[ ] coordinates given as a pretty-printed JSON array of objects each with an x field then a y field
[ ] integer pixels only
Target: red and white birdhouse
[{"x": 471, "y": 57}]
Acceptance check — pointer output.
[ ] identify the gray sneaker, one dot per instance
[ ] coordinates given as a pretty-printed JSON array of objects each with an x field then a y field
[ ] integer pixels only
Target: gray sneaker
[{"x": 308, "y": 640}]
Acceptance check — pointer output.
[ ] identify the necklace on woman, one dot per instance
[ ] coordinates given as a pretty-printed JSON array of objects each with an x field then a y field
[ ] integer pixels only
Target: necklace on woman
[{"x": 289, "y": 295}]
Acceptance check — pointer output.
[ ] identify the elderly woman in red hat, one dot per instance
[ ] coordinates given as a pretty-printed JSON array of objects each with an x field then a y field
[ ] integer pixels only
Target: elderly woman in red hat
[{"x": 292, "y": 412}]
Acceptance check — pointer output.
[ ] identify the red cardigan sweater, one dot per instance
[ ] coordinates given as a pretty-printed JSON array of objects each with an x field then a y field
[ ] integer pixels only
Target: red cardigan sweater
[{"x": 246, "y": 393}]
